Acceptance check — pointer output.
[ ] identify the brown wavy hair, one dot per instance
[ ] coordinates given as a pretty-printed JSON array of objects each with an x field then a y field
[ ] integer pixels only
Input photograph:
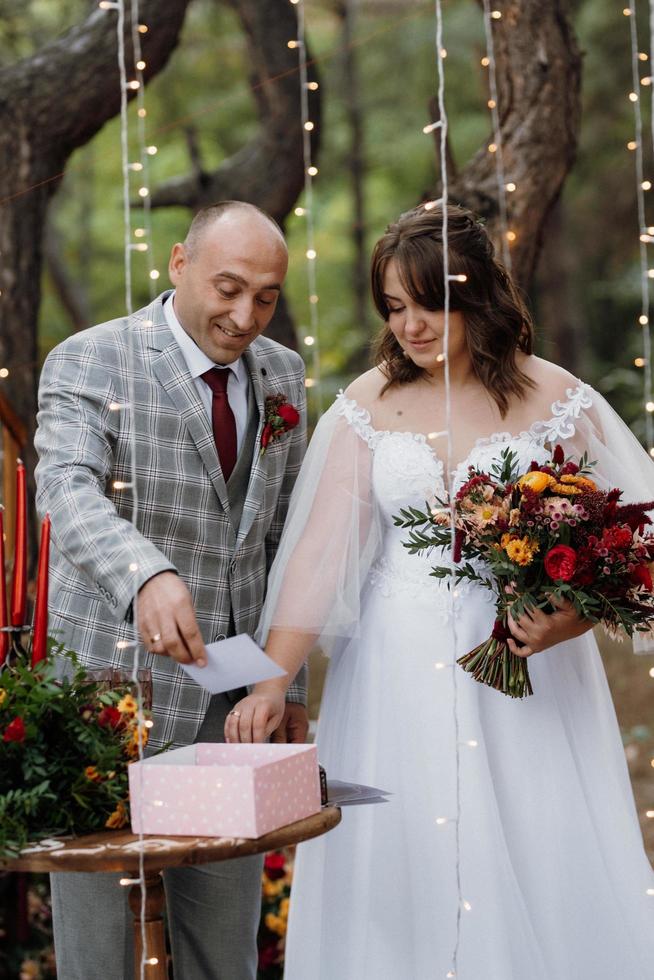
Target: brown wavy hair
[{"x": 497, "y": 323}]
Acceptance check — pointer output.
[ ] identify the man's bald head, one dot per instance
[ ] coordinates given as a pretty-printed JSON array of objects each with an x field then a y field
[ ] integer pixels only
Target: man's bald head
[{"x": 228, "y": 211}]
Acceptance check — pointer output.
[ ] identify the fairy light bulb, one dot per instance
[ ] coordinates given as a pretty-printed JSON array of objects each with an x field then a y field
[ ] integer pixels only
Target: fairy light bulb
[
  {"x": 311, "y": 253},
  {"x": 651, "y": 674},
  {"x": 143, "y": 28},
  {"x": 133, "y": 567},
  {"x": 292, "y": 45},
  {"x": 309, "y": 341},
  {"x": 142, "y": 113},
  {"x": 643, "y": 320},
  {"x": 154, "y": 274},
  {"x": 151, "y": 150},
  {"x": 492, "y": 104},
  {"x": 431, "y": 127},
  {"x": 4, "y": 372},
  {"x": 511, "y": 236},
  {"x": 639, "y": 362},
  {"x": 137, "y": 166},
  {"x": 313, "y": 299},
  {"x": 143, "y": 192},
  {"x": 134, "y": 84},
  {"x": 485, "y": 62},
  {"x": 443, "y": 53},
  {"x": 492, "y": 147},
  {"x": 308, "y": 126},
  {"x": 510, "y": 187},
  {"x": 299, "y": 212},
  {"x": 140, "y": 65},
  {"x": 441, "y": 820},
  {"x": 496, "y": 14},
  {"x": 139, "y": 232},
  {"x": 309, "y": 382},
  {"x": 313, "y": 86},
  {"x": 632, "y": 145},
  {"x": 439, "y": 665},
  {"x": 646, "y": 185},
  {"x": 312, "y": 171},
  {"x": 633, "y": 96}
]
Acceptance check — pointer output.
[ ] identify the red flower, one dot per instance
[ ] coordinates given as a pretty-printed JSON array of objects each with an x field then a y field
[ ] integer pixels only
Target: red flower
[
  {"x": 266, "y": 435},
  {"x": 560, "y": 562},
  {"x": 15, "y": 731},
  {"x": 570, "y": 469},
  {"x": 110, "y": 717},
  {"x": 641, "y": 575},
  {"x": 290, "y": 415},
  {"x": 558, "y": 456},
  {"x": 618, "y": 537},
  {"x": 275, "y": 865}
]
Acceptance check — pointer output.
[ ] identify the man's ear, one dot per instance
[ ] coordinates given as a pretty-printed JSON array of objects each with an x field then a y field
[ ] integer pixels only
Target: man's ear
[{"x": 178, "y": 259}]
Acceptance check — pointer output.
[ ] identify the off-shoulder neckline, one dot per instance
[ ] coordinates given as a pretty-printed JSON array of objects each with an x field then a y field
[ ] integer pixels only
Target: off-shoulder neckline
[{"x": 577, "y": 398}]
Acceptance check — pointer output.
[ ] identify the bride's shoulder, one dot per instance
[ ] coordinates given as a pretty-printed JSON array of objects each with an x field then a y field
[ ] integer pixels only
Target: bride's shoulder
[
  {"x": 366, "y": 389},
  {"x": 551, "y": 382}
]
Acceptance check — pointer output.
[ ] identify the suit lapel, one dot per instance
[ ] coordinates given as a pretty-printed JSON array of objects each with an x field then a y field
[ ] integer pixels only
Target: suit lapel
[
  {"x": 257, "y": 482},
  {"x": 169, "y": 367}
]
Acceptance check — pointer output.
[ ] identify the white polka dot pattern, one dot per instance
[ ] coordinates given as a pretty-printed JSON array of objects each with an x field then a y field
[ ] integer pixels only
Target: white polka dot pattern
[{"x": 224, "y": 790}]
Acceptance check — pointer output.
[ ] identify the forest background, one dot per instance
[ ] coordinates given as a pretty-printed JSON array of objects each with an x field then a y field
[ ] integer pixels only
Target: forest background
[{"x": 375, "y": 61}]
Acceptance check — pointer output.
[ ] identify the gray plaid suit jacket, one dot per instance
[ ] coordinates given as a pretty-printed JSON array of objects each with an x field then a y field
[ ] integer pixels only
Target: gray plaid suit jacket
[{"x": 107, "y": 542}]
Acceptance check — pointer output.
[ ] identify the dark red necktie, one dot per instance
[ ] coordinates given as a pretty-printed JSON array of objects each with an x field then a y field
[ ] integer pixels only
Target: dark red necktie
[{"x": 222, "y": 419}]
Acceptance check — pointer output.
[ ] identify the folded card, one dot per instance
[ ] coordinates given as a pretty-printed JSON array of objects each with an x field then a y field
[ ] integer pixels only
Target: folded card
[{"x": 236, "y": 662}]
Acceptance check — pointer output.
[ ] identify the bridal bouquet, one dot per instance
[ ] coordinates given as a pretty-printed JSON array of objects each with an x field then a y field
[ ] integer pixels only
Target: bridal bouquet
[
  {"x": 65, "y": 746},
  {"x": 535, "y": 538}
]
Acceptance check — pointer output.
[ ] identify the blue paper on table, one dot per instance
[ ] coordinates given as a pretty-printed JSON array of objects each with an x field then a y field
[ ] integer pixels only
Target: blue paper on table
[{"x": 236, "y": 662}]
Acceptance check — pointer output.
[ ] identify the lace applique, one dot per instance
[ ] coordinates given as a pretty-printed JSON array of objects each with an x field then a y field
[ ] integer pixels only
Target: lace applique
[
  {"x": 392, "y": 578},
  {"x": 358, "y": 418},
  {"x": 561, "y": 425}
]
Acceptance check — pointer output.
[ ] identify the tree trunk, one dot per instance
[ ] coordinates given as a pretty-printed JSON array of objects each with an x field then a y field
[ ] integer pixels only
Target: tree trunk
[
  {"x": 269, "y": 170},
  {"x": 78, "y": 71},
  {"x": 539, "y": 82}
]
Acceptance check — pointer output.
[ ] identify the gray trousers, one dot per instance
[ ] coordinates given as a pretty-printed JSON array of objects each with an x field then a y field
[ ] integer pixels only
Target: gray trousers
[{"x": 213, "y": 912}]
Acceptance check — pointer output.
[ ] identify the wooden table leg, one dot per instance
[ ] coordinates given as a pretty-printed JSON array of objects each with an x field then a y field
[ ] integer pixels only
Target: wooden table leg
[{"x": 155, "y": 934}]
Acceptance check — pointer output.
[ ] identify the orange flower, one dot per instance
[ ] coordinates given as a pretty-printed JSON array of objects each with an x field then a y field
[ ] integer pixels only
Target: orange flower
[
  {"x": 536, "y": 481},
  {"x": 118, "y": 818},
  {"x": 584, "y": 484},
  {"x": 127, "y": 705},
  {"x": 92, "y": 773},
  {"x": 566, "y": 489}
]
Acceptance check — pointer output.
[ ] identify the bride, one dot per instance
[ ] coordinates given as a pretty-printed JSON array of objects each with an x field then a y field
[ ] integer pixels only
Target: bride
[{"x": 510, "y": 847}]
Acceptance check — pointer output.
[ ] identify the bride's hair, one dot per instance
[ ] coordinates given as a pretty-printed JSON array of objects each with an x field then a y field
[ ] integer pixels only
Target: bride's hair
[{"x": 497, "y": 323}]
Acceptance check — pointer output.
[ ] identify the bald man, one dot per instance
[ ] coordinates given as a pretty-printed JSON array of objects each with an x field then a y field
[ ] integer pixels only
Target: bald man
[{"x": 170, "y": 402}]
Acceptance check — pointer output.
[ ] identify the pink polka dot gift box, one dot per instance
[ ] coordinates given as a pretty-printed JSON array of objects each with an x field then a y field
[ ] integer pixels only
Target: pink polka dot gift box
[{"x": 216, "y": 790}]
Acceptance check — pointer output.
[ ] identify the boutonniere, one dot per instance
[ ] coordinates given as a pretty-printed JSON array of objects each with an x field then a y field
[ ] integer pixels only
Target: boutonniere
[{"x": 279, "y": 417}]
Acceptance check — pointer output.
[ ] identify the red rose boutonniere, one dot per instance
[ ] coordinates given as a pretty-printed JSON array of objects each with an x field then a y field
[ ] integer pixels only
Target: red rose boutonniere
[{"x": 279, "y": 417}]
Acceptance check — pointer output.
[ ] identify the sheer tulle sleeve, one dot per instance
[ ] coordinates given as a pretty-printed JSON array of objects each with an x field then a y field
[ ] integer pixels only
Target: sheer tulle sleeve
[
  {"x": 331, "y": 536},
  {"x": 620, "y": 459}
]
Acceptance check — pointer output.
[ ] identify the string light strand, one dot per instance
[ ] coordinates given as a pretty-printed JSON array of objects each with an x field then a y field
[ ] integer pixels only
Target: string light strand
[
  {"x": 634, "y": 97},
  {"x": 312, "y": 339},
  {"x": 498, "y": 151}
]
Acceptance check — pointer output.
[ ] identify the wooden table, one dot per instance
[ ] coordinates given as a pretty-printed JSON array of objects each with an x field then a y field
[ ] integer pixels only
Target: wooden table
[{"x": 119, "y": 850}]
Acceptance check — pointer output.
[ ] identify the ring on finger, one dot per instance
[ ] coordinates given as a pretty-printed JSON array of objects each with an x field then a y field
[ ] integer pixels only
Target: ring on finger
[
  {"x": 156, "y": 638},
  {"x": 237, "y": 714}
]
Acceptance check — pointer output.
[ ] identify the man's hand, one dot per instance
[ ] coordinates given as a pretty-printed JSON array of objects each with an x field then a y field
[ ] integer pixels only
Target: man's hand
[
  {"x": 167, "y": 622},
  {"x": 294, "y": 726},
  {"x": 537, "y": 630}
]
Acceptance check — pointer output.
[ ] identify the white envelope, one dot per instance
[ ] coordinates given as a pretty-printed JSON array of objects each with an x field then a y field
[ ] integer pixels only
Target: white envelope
[{"x": 236, "y": 662}]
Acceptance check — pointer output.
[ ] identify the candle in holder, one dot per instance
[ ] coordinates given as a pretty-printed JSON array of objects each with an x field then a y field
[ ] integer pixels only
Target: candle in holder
[
  {"x": 19, "y": 580},
  {"x": 40, "y": 635},
  {"x": 4, "y": 637}
]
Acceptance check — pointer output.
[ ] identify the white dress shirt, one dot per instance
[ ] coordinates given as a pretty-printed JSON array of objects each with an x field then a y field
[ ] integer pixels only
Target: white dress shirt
[{"x": 238, "y": 385}]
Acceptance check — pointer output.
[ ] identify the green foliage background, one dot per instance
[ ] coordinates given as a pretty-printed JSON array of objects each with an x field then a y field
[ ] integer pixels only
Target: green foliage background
[{"x": 206, "y": 86}]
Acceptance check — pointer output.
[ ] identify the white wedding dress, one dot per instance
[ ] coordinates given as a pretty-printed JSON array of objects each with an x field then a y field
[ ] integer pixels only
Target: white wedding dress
[{"x": 554, "y": 881}]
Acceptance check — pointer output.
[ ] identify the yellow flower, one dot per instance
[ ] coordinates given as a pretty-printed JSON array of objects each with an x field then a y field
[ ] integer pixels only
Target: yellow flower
[
  {"x": 127, "y": 705},
  {"x": 566, "y": 489},
  {"x": 275, "y": 923},
  {"x": 132, "y": 746},
  {"x": 3, "y": 697},
  {"x": 92, "y": 773},
  {"x": 536, "y": 481},
  {"x": 582, "y": 482},
  {"x": 283, "y": 908},
  {"x": 271, "y": 889},
  {"x": 521, "y": 550},
  {"x": 118, "y": 818}
]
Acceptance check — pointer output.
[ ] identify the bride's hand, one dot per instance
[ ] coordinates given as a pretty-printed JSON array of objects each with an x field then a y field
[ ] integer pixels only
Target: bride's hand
[
  {"x": 255, "y": 717},
  {"x": 538, "y": 630}
]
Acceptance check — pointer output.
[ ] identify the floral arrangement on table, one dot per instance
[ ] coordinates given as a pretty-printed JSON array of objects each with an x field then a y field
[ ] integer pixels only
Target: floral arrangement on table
[
  {"x": 65, "y": 744},
  {"x": 275, "y": 897},
  {"x": 534, "y": 539}
]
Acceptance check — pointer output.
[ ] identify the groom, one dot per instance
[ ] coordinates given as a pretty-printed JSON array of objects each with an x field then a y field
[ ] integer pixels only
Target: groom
[{"x": 166, "y": 517}]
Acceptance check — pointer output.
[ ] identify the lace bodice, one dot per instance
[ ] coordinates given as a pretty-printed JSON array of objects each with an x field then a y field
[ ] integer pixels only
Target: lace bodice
[{"x": 406, "y": 471}]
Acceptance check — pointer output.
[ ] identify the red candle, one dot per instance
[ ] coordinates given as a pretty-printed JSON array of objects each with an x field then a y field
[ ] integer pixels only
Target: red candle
[
  {"x": 40, "y": 636},
  {"x": 19, "y": 581},
  {"x": 4, "y": 637}
]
